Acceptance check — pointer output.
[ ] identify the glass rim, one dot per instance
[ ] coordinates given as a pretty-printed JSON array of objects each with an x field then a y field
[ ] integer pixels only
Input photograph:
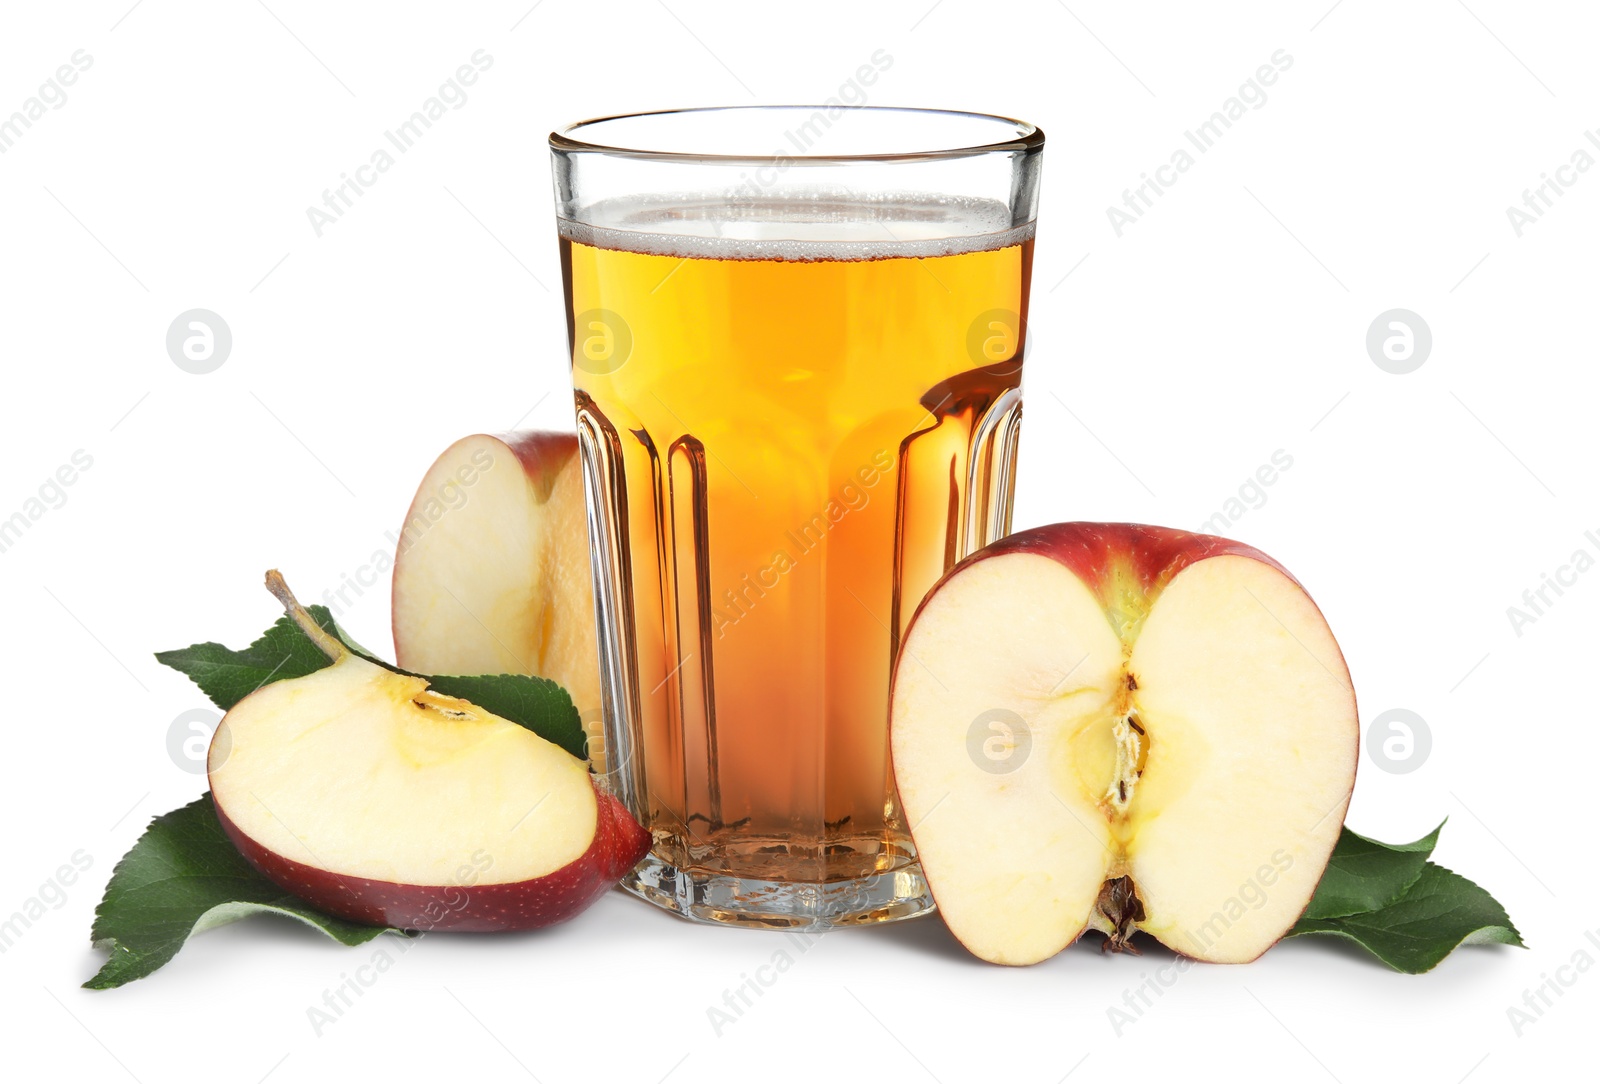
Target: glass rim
[{"x": 1027, "y": 137}]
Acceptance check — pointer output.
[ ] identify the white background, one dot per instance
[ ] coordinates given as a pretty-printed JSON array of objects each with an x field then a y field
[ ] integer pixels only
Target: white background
[{"x": 1226, "y": 324}]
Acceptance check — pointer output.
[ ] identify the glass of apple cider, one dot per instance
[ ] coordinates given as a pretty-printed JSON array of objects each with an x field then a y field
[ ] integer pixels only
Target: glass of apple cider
[{"x": 797, "y": 338}]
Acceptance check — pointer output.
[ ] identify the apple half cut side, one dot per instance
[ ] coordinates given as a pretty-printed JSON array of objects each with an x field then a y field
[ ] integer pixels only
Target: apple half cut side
[
  {"x": 491, "y": 572},
  {"x": 365, "y": 793},
  {"x": 1122, "y": 727}
]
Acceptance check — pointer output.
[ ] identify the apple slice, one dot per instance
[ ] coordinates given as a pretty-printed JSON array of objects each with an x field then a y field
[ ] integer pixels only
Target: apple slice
[
  {"x": 366, "y": 794},
  {"x": 1122, "y": 727},
  {"x": 491, "y": 575}
]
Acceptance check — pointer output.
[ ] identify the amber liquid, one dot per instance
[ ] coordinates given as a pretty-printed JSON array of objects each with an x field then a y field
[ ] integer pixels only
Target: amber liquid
[{"x": 783, "y": 457}]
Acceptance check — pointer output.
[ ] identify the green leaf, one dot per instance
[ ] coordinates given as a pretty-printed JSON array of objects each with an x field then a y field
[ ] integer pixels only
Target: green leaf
[
  {"x": 183, "y": 877},
  {"x": 1364, "y": 875},
  {"x": 537, "y": 703},
  {"x": 1438, "y": 912},
  {"x": 227, "y": 676}
]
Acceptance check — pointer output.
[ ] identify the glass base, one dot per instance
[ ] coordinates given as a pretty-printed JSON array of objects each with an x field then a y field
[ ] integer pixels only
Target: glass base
[{"x": 724, "y": 899}]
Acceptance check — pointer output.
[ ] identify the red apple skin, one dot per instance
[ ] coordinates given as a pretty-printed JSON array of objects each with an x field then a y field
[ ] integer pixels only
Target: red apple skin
[
  {"x": 1095, "y": 551},
  {"x": 619, "y": 842},
  {"x": 543, "y": 455}
]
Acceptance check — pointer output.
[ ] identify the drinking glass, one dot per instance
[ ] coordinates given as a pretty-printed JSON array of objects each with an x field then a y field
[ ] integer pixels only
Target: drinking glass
[{"x": 797, "y": 338}]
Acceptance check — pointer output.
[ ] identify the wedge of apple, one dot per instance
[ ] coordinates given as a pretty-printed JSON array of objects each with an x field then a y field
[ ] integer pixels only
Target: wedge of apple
[
  {"x": 363, "y": 792},
  {"x": 1120, "y": 727},
  {"x": 491, "y": 574}
]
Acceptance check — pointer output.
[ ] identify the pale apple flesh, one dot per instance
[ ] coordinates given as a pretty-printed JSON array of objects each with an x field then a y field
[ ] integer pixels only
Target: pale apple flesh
[
  {"x": 376, "y": 799},
  {"x": 1177, "y": 740},
  {"x": 492, "y": 572},
  {"x": 465, "y": 904}
]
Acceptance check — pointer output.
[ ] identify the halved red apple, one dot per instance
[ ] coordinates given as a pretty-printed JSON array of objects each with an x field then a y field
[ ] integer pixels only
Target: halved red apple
[
  {"x": 1122, "y": 727},
  {"x": 491, "y": 575},
  {"x": 370, "y": 796}
]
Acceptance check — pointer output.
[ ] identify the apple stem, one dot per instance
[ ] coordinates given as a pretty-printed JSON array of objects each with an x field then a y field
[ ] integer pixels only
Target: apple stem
[{"x": 330, "y": 645}]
